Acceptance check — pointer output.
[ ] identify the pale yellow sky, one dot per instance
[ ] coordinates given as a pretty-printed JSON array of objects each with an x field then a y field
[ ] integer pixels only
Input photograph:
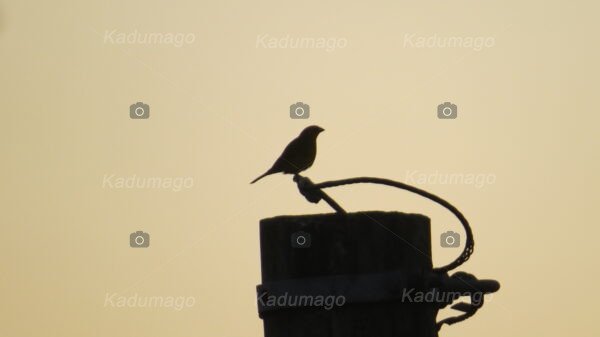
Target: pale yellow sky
[{"x": 525, "y": 88}]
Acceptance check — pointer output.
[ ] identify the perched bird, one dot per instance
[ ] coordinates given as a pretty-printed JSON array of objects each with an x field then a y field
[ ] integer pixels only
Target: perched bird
[{"x": 298, "y": 155}]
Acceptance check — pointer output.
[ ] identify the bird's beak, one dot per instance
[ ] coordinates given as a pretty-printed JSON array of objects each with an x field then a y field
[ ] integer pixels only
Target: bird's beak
[{"x": 321, "y": 129}]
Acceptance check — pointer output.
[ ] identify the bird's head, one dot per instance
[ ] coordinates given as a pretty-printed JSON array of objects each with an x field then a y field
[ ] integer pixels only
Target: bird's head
[{"x": 312, "y": 131}]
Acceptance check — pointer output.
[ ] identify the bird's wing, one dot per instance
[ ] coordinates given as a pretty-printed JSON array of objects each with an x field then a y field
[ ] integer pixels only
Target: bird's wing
[{"x": 296, "y": 157}]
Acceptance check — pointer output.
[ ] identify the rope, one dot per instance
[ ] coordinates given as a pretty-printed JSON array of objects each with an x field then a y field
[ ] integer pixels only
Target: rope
[{"x": 313, "y": 193}]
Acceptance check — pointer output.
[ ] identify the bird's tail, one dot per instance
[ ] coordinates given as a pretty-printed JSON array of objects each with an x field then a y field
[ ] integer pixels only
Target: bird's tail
[{"x": 261, "y": 176}]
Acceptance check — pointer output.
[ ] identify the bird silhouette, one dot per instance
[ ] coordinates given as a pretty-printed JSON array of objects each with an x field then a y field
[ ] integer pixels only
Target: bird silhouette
[{"x": 298, "y": 155}]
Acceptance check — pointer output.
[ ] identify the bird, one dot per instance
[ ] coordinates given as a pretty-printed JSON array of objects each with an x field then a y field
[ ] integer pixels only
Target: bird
[{"x": 298, "y": 155}]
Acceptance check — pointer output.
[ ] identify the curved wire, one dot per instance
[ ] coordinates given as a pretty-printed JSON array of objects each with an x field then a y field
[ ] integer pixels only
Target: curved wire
[{"x": 469, "y": 243}]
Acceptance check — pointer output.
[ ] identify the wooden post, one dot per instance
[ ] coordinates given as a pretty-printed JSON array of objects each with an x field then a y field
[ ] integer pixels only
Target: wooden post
[{"x": 351, "y": 255}]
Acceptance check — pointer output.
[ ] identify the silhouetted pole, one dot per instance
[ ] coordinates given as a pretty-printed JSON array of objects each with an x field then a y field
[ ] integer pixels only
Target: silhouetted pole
[
  {"x": 359, "y": 274},
  {"x": 368, "y": 258}
]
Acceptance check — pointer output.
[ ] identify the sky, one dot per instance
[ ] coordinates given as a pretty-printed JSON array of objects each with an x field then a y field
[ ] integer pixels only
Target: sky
[{"x": 219, "y": 78}]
